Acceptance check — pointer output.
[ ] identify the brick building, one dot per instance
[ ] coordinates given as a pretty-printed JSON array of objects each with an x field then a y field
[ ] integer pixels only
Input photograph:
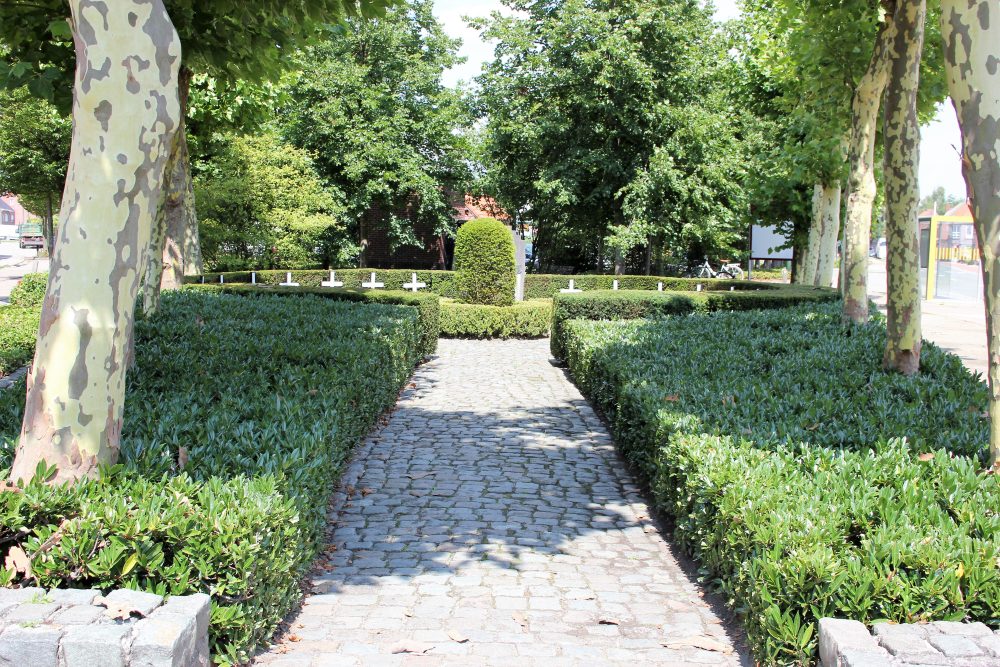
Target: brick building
[{"x": 435, "y": 251}]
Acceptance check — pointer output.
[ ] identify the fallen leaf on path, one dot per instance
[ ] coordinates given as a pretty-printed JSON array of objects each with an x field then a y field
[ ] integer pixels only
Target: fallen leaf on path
[
  {"x": 678, "y": 606},
  {"x": 417, "y": 648},
  {"x": 367, "y": 490},
  {"x": 457, "y": 636},
  {"x": 118, "y": 610},
  {"x": 705, "y": 643},
  {"x": 294, "y": 638},
  {"x": 608, "y": 621},
  {"x": 520, "y": 619}
]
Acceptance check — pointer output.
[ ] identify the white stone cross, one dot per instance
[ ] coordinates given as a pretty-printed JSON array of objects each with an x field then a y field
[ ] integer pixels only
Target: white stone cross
[
  {"x": 332, "y": 282},
  {"x": 732, "y": 289},
  {"x": 659, "y": 287},
  {"x": 413, "y": 284},
  {"x": 614, "y": 285},
  {"x": 203, "y": 280},
  {"x": 288, "y": 281},
  {"x": 571, "y": 288},
  {"x": 372, "y": 284},
  {"x": 253, "y": 277},
  {"x": 222, "y": 280},
  {"x": 697, "y": 287}
]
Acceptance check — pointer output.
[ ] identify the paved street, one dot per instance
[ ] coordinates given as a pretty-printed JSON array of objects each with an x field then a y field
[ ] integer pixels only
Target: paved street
[
  {"x": 954, "y": 325},
  {"x": 490, "y": 522},
  {"x": 14, "y": 264}
]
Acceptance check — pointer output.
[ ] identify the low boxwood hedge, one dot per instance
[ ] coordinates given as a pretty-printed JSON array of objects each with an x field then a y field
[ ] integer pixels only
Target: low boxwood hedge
[
  {"x": 633, "y": 304},
  {"x": 536, "y": 285},
  {"x": 428, "y": 305},
  {"x": 805, "y": 480},
  {"x": 527, "y": 319},
  {"x": 29, "y": 292},
  {"x": 239, "y": 415},
  {"x": 18, "y": 330}
]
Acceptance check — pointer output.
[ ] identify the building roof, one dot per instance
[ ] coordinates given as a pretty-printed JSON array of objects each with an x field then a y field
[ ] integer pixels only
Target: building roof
[
  {"x": 926, "y": 215},
  {"x": 963, "y": 210},
  {"x": 468, "y": 207}
]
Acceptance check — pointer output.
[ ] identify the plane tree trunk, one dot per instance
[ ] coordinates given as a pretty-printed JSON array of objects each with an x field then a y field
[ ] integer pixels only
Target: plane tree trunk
[
  {"x": 125, "y": 113},
  {"x": 971, "y": 31},
  {"x": 861, "y": 188},
  {"x": 902, "y": 157}
]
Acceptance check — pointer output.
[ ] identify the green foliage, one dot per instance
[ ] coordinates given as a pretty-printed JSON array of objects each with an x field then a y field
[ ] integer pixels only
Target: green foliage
[
  {"x": 29, "y": 292},
  {"x": 34, "y": 150},
  {"x": 806, "y": 481},
  {"x": 262, "y": 204},
  {"x": 527, "y": 319},
  {"x": 605, "y": 128},
  {"x": 428, "y": 305},
  {"x": 630, "y": 305},
  {"x": 18, "y": 329},
  {"x": 386, "y": 132},
  {"x": 241, "y": 413},
  {"x": 485, "y": 272}
]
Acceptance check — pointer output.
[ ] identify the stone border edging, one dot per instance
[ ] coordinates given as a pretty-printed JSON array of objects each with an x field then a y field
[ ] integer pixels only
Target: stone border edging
[
  {"x": 844, "y": 643},
  {"x": 9, "y": 380},
  {"x": 77, "y": 628}
]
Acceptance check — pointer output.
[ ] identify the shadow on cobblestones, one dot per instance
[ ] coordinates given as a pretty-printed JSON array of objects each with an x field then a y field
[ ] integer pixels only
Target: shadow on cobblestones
[{"x": 490, "y": 521}]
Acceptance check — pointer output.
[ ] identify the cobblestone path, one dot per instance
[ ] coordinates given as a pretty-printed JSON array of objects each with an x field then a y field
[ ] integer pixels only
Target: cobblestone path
[{"x": 490, "y": 522}]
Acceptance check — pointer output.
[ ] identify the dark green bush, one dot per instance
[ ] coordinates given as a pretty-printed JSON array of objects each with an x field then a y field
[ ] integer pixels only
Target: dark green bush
[
  {"x": 484, "y": 263},
  {"x": 265, "y": 396},
  {"x": 428, "y": 305},
  {"x": 29, "y": 292},
  {"x": 18, "y": 330},
  {"x": 805, "y": 480},
  {"x": 528, "y": 319},
  {"x": 633, "y": 304}
]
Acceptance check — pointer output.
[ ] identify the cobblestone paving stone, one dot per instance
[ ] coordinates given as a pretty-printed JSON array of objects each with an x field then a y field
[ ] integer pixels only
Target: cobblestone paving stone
[{"x": 490, "y": 522}]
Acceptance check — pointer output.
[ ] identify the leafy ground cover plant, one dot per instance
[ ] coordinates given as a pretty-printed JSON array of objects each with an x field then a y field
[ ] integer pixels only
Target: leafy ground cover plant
[
  {"x": 18, "y": 329},
  {"x": 30, "y": 290},
  {"x": 633, "y": 304},
  {"x": 805, "y": 481},
  {"x": 239, "y": 414},
  {"x": 527, "y": 319}
]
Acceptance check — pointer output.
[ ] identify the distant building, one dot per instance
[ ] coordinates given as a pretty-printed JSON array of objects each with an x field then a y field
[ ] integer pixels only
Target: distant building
[
  {"x": 12, "y": 214},
  {"x": 435, "y": 251}
]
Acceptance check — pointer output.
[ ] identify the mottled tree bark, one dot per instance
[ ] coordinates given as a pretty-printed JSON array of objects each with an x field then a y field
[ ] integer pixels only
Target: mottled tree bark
[
  {"x": 902, "y": 156},
  {"x": 175, "y": 216},
  {"x": 125, "y": 113},
  {"x": 806, "y": 273},
  {"x": 829, "y": 231},
  {"x": 861, "y": 179},
  {"x": 971, "y": 30}
]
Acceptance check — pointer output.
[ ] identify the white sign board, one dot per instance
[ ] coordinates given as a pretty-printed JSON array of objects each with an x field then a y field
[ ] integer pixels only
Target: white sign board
[{"x": 769, "y": 243}]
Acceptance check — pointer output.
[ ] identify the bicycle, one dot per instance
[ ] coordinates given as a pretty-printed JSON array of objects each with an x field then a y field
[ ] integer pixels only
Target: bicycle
[{"x": 730, "y": 271}]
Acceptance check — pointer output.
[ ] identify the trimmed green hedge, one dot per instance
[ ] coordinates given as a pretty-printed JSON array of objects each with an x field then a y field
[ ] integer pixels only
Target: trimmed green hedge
[
  {"x": 428, "y": 305},
  {"x": 527, "y": 319},
  {"x": 805, "y": 480},
  {"x": 536, "y": 285},
  {"x": 484, "y": 263},
  {"x": 264, "y": 397},
  {"x": 628, "y": 305},
  {"x": 29, "y": 292},
  {"x": 18, "y": 331}
]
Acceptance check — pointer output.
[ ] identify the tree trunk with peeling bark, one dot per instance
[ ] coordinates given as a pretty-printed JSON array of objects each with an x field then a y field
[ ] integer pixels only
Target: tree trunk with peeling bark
[
  {"x": 175, "y": 217},
  {"x": 902, "y": 157},
  {"x": 861, "y": 188},
  {"x": 971, "y": 30},
  {"x": 829, "y": 231},
  {"x": 125, "y": 113}
]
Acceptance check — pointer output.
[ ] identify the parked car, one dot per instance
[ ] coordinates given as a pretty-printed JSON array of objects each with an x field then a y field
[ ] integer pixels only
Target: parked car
[{"x": 879, "y": 248}]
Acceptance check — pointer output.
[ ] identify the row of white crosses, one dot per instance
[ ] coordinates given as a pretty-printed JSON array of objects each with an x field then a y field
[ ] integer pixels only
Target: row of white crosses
[
  {"x": 373, "y": 283},
  {"x": 614, "y": 285}
]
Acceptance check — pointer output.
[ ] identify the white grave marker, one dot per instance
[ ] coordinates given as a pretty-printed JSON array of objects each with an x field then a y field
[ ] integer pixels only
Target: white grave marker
[
  {"x": 697, "y": 288},
  {"x": 332, "y": 282},
  {"x": 222, "y": 280},
  {"x": 253, "y": 277},
  {"x": 288, "y": 281},
  {"x": 659, "y": 287},
  {"x": 413, "y": 284},
  {"x": 614, "y": 285},
  {"x": 203, "y": 280},
  {"x": 571, "y": 288},
  {"x": 372, "y": 284}
]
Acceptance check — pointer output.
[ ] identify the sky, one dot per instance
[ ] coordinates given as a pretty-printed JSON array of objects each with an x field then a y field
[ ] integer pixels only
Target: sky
[{"x": 939, "y": 161}]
